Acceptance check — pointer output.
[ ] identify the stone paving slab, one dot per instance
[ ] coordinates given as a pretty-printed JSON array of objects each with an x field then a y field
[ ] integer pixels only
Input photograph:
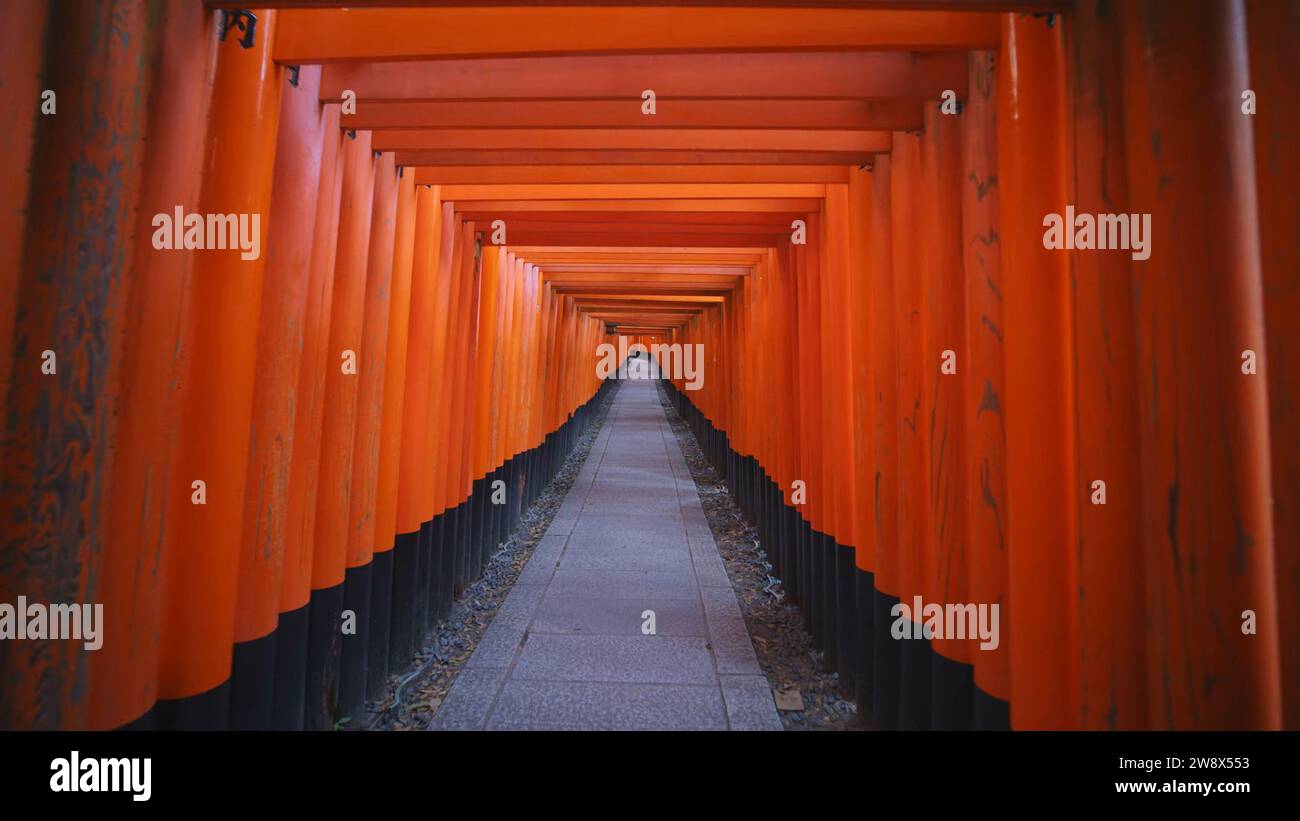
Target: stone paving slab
[
  {"x": 612, "y": 616},
  {"x": 668, "y": 561},
  {"x": 531, "y": 705},
  {"x": 571, "y": 649},
  {"x": 624, "y": 584},
  {"x": 644, "y": 659}
]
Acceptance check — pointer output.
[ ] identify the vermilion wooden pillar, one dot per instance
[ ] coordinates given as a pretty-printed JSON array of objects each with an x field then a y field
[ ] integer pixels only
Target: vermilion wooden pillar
[
  {"x": 1042, "y": 499},
  {"x": 66, "y": 290},
  {"x": 291, "y": 222},
  {"x": 444, "y": 487},
  {"x": 201, "y": 554},
  {"x": 363, "y": 489},
  {"x": 862, "y": 297},
  {"x": 1274, "y": 65},
  {"x": 309, "y": 415},
  {"x": 1198, "y": 303},
  {"x": 395, "y": 365},
  {"x": 808, "y": 304},
  {"x": 1112, "y": 686},
  {"x": 124, "y": 672},
  {"x": 985, "y": 385},
  {"x": 448, "y": 431},
  {"x": 839, "y": 434},
  {"x": 944, "y": 375},
  {"x": 912, "y": 421},
  {"x": 22, "y": 48},
  {"x": 342, "y": 368},
  {"x": 885, "y": 507},
  {"x": 415, "y": 466},
  {"x": 473, "y": 342}
]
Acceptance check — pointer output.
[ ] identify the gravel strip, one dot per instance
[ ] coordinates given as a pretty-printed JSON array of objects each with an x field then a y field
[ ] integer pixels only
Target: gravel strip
[
  {"x": 413, "y": 695},
  {"x": 784, "y": 648}
]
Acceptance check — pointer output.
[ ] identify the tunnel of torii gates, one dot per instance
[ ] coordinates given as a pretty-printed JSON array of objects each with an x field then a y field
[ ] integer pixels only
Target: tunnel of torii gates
[{"x": 844, "y": 203}]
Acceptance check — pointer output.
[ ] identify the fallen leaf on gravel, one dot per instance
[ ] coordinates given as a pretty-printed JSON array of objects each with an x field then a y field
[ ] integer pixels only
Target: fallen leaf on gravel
[{"x": 791, "y": 701}]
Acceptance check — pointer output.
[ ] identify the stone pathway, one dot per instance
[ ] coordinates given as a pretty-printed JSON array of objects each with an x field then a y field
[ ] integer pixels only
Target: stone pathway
[{"x": 570, "y": 647}]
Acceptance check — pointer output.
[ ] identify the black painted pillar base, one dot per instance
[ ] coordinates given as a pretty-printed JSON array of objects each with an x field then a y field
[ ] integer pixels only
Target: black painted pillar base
[
  {"x": 457, "y": 532},
  {"x": 846, "y": 622},
  {"x": 355, "y": 644},
  {"x": 887, "y": 662},
  {"x": 991, "y": 713},
  {"x": 323, "y": 649},
  {"x": 420, "y": 567},
  {"x": 381, "y": 604},
  {"x": 252, "y": 676},
  {"x": 828, "y": 598},
  {"x": 864, "y": 692},
  {"x": 209, "y": 710},
  {"x": 952, "y": 687},
  {"x": 290, "y": 669},
  {"x": 401, "y": 635}
]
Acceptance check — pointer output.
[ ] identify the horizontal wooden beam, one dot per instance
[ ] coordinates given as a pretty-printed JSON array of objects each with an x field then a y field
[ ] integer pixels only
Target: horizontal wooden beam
[
  {"x": 559, "y": 174},
  {"x": 629, "y": 255},
  {"x": 962, "y": 5},
  {"x": 638, "y": 299},
  {"x": 643, "y": 312},
  {"x": 640, "y": 279},
  {"x": 627, "y": 139},
  {"x": 651, "y": 312},
  {"x": 322, "y": 36},
  {"x": 804, "y": 115},
  {"x": 595, "y": 270},
  {"x": 628, "y": 288},
  {"x": 646, "y": 226},
  {"x": 836, "y": 75},
  {"x": 779, "y": 205},
  {"x": 633, "y": 191},
  {"x": 589, "y": 157},
  {"x": 638, "y": 238},
  {"x": 751, "y": 218}
]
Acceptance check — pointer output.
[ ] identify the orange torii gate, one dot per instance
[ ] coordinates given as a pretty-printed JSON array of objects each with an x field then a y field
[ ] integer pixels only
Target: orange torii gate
[{"x": 915, "y": 400}]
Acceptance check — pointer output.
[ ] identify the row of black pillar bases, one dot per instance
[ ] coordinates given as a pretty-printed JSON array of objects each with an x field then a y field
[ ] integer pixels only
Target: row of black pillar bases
[
  {"x": 326, "y": 660},
  {"x": 896, "y": 683}
]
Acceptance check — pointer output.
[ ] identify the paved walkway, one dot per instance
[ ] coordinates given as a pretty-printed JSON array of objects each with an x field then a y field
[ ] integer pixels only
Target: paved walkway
[{"x": 567, "y": 649}]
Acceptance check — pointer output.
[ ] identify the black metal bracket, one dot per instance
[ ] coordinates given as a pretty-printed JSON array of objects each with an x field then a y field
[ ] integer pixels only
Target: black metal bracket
[
  {"x": 293, "y": 75},
  {"x": 245, "y": 21},
  {"x": 1048, "y": 16},
  {"x": 400, "y": 169},
  {"x": 351, "y": 133}
]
